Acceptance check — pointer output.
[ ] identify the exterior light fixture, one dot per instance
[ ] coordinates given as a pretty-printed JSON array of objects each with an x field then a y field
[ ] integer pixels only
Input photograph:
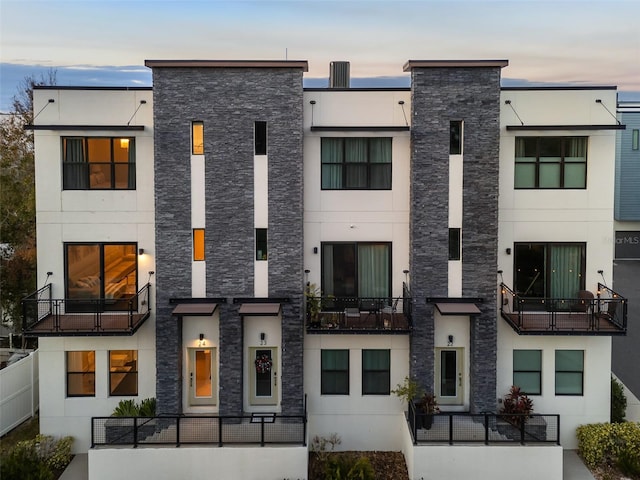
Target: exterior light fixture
[
  {"x": 263, "y": 338},
  {"x": 450, "y": 341},
  {"x": 141, "y": 251},
  {"x": 201, "y": 343}
]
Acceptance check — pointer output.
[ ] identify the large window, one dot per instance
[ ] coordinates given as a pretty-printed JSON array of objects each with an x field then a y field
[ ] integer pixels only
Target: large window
[
  {"x": 549, "y": 270},
  {"x": 260, "y": 138},
  {"x": 261, "y": 244},
  {"x": 455, "y": 137},
  {"x": 99, "y": 163},
  {"x": 356, "y": 269},
  {"x": 551, "y": 162},
  {"x": 376, "y": 372},
  {"x": 527, "y": 371},
  {"x": 81, "y": 373},
  {"x": 334, "y": 372},
  {"x": 356, "y": 163},
  {"x": 100, "y": 271},
  {"x": 569, "y": 372},
  {"x": 197, "y": 138},
  {"x": 198, "y": 244},
  {"x": 123, "y": 372}
]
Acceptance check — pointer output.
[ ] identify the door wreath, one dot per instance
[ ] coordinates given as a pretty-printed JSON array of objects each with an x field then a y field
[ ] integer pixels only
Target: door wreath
[{"x": 263, "y": 364}]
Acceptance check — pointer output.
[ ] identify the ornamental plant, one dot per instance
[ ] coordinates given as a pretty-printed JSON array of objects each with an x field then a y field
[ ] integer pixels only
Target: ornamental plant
[{"x": 518, "y": 405}]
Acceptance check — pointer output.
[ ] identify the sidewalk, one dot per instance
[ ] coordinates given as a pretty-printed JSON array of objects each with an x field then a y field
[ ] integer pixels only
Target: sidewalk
[
  {"x": 573, "y": 468},
  {"x": 78, "y": 469}
]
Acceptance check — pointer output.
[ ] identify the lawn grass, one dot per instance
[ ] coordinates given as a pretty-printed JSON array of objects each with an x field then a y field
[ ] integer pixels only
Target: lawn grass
[{"x": 25, "y": 431}]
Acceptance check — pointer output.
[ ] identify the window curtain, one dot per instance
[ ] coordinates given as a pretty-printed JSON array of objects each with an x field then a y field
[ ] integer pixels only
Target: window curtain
[
  {"x": 327, "y": 270},
  {"x": 380, "y": 158},
  {"x": 332, "y": 156},
  {"x": 356, "y": 162},
  {"x": 565, "y": 265},
  {"x": 131, "y": 181},
  {"x": 75, "y": 165},
  {"x": 373, "y": 271}
]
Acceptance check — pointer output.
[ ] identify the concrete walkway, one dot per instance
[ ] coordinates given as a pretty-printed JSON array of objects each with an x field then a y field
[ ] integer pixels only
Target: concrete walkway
[{"x": 572, "y": 468}]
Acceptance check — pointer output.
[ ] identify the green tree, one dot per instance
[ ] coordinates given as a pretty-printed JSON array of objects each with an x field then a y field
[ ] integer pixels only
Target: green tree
[{"x": 17, "y": 201}]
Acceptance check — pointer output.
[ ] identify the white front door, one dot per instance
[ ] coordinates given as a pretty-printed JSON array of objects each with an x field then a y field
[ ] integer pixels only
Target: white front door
[
  {"x": 263, "y": 376},
  {"x": 449, "y": 376},
  {"x": 202, "y": 380}
]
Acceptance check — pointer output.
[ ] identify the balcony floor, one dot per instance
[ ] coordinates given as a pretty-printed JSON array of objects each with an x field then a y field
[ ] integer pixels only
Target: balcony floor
[
  {"x": 87, "y": 324},
  {"x": 360, "y": 322}
]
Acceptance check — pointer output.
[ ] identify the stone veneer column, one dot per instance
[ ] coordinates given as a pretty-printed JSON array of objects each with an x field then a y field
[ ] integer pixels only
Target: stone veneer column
[
  {"x": 228, "y": 101},
  {"x": 441, "y": 94}
]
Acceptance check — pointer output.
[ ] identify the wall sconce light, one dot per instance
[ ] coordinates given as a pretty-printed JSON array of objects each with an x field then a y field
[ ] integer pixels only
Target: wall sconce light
[
  {"x": 263, "y": 338},
  {"x": 141, "y": 251},
  {"x": 315, "y": 249},
  {"x": 450, "y": 341},
  {"x": 508, "y": 250},
  {"x": 201, "y": 343}
]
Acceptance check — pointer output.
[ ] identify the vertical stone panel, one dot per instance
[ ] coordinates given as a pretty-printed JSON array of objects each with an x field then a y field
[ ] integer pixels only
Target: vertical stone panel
[
  {"x": 439, "y": 95},
  {"x": 228, "y": 101}
]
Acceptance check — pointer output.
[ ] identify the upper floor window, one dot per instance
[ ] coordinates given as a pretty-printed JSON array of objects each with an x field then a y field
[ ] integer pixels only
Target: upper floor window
[
  {"x": 261, "y": 244},
  {"x": 198, "y": 244},
  {"x": 454, "y": 244},
  {"x": 260, "y": 138},
  {"x": 551, "y": 162},
  {"x": 635, "y": 139},
  {"x": 100, "y": 163},
  {"x": 197, "y": 138},
  {"x": 551, "y": 270},
  {"x": 100, "y": 275},
  {"x": 455, "y": 137},
  {"x": 356, "y": 163},
  {"x": 356, "y": 269}
]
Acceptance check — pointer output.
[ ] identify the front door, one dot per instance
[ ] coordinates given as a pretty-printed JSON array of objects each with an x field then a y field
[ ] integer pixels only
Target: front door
[
  {"x": 202, "y": 384},
  {"x": 263, "y": 376},
  {"x": 449, "y": 376}
]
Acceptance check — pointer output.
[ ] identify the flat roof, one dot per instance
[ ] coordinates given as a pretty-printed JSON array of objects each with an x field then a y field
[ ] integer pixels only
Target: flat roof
[
  {"x": 453, "y": 64},
  {"x": 303, "y": 64}
]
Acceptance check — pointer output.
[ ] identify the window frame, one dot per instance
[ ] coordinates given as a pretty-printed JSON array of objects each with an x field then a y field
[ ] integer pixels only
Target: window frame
[
  {"x": 327, "y": 373},
  {"x": 113, "y": 370},
  {"x": 198, "y": 247},
  {"x": 197, "y": 149},
  {"x": 455, "y": 244},
  {"x": 547, "y": 266},
  {"x": 357, "y": 292},
  {"x": 570, "y": 372},
  {"x": 260, "y": 138},
  {"x": 456, "y": 138},
  {"x": 635, "y": 139},
  {"x": 262, "y": 244},
  {"x": 369, "y": 165},
  {"x": 112, "y": 304},
  {"x": 91, "y": 373},
  {"x": 85, "y": 174},
  {"x": 537, "y": 371},
  {"x": 367, "y": 372},
  {"x": 537, "y": 163}
]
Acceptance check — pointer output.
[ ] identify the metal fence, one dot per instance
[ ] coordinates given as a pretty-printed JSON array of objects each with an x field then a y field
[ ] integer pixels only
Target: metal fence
[
  {"x": 487, "y": 428},
  {"x": 199, "y": 429}
]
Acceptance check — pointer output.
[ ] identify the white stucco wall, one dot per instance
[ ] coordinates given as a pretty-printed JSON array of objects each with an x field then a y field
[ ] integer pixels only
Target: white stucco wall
[
  {"x": 252, "y": 463},
  {"x": 91, "y": 216}
]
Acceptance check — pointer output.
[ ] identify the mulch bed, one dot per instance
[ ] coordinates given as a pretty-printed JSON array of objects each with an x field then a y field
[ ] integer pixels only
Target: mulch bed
[{"x": 387, "y": 465}]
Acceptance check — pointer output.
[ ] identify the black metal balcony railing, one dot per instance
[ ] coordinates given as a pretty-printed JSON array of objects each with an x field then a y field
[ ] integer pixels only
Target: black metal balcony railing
[
  {"x": 45, "y": 316},
  {"x": 602, "y": 314},
  {"x": 217, "y": 430},
  {"x": 332, "y": 314},
  {"x": 487, "y": 428}
]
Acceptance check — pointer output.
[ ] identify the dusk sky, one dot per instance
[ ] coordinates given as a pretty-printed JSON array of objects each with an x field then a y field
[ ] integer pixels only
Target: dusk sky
[{"x": 105, "y": 42}]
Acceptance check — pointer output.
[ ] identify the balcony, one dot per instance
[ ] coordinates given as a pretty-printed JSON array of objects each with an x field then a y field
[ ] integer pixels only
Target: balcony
[
  {"x": 359, "y": 315},
  {"x": 602, "y": 314},
  {"x": 43, "y": 316}
]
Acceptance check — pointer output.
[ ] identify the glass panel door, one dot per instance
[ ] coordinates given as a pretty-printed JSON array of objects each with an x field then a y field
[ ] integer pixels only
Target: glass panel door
[
  {"x": 201, "y": 376},
  {"x": 263, "y": 376},
  {"x": 449, "y": 376}
]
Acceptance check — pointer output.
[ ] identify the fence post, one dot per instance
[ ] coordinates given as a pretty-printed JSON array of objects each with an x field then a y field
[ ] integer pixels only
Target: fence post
[
  {"x": 450, "y": 429},
  {"x": 135, "y": 432},
  {"x": 486, "y": 429},
  {"x": 523, "y": 420},
  {"x": 262, "y": 431},
  {"x": 178, "y": 431},
  {"x": 219, "y": 431}
]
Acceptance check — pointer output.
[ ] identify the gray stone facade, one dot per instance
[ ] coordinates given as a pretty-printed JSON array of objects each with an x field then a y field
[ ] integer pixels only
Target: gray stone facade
[
  {"x": 441, "y": 95},
  {"x": 228, "y": 101}
]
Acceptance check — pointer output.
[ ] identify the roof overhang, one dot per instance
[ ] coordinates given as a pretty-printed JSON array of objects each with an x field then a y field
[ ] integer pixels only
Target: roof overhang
[
  {"x": 303, "y": 64},
  {"x": 195, "y": 309},
  {"x": 458, "y": 309},
  {"x": 411, "y": 64},
  {"x": 129, "y": 128},
  {"x": 260, "y": 309},
  {"x": 613, "y": 126}
]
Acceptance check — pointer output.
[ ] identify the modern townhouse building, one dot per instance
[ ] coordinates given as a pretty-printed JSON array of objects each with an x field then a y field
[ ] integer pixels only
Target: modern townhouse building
[{"x": 232, "y": 244}]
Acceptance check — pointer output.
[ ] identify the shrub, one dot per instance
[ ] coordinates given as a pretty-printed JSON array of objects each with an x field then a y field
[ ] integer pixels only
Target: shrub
[
  {"x": 517, "y": 404},
  {"x": 37, "y": 459},
  {"x": 322, "y": 446},
  {"x": 603, "y": 443},
  {"x": 148, "y": 407},
  {"x": 129, "y": 408},
  {"x": 349, "y": 468},
  {"x": 618, "y": 402},
  {"x": 55, "y": 453}
]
